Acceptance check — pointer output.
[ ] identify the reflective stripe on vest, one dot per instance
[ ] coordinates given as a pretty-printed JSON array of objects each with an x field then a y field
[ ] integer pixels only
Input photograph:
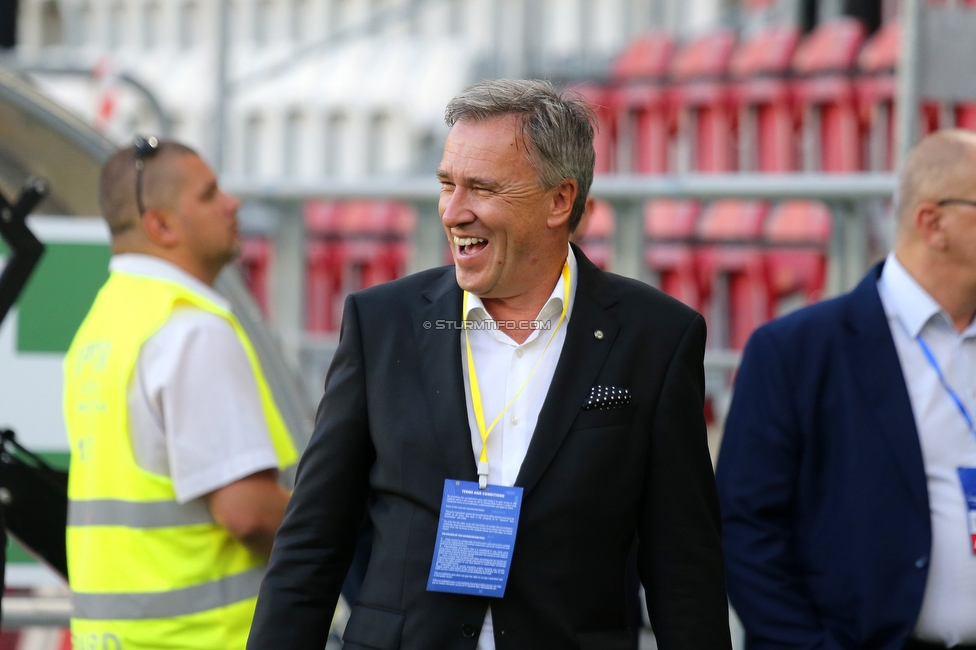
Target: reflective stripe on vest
[
  {"x": 138, "y": 514},
  {"x": 167, "y": 604}
]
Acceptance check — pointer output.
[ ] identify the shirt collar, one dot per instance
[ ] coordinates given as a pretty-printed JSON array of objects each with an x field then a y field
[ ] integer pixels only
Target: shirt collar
[
  {"x": 151, "y": 266},
  {"x": 554, "y": 305},
  {"x": 908, "y": 301}
]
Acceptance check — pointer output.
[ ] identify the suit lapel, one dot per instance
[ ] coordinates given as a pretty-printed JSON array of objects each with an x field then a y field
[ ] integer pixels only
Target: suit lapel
[
  {"x": 440, "y": 370},
  {"x": 879, "y": 376},
  {"x": 580, "y": 361}
]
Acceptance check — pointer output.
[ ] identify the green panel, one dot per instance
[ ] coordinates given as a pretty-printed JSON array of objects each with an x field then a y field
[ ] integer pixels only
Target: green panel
[
  {"x": 16, "y": 552},
  {"x": 56, "y": 459},
  {"x": 59, "y": 295}
]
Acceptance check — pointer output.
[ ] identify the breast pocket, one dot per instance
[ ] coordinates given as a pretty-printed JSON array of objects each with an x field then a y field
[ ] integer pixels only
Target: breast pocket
[
  {"x": 371, "y": 627},
  {"x": 604, "y": 418}
]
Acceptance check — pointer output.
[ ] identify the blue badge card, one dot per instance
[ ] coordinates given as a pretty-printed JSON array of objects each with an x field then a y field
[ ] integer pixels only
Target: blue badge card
[
  {"x": 475, "y": 539},
  {"x": 967, "y": 476}
]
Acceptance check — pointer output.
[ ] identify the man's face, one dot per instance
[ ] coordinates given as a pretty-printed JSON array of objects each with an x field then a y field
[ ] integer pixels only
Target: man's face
[
  {"x": 493, "y": 210},
  {"x": 206, "y": 216}
]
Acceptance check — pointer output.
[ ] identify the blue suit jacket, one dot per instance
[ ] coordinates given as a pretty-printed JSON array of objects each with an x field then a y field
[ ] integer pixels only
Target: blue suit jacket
[{"x": 823, "y": 492}]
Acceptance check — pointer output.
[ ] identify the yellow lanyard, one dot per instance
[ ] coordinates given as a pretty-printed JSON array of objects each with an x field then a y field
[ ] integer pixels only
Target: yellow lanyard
[{"x": 479, "y": 413}]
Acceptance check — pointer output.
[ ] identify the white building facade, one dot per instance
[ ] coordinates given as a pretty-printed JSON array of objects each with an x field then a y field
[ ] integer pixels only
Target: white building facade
[{"x": 318, "y": 88}]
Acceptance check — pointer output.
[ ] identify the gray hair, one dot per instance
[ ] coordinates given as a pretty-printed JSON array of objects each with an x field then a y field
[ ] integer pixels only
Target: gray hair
[{"x": 557, "y": 130}]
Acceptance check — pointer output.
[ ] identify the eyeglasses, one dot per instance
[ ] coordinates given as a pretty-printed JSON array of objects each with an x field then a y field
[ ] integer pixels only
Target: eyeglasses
[
  {"x": 145, "y": 148},
  {"x": 968, "y": 202}
]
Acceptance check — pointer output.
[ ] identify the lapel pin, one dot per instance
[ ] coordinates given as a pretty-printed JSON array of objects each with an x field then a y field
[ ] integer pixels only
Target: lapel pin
[{"x": 598, "y": 335}]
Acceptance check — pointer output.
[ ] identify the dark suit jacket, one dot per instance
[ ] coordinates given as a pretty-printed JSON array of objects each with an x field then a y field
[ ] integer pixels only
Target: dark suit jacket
[
  {"x": 392, "y": 426},
  {"x": 824, "y": 501}
]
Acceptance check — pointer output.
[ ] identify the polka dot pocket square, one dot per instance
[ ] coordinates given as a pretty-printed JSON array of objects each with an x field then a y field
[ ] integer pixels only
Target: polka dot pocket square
[{"x": 604, "y": 398}]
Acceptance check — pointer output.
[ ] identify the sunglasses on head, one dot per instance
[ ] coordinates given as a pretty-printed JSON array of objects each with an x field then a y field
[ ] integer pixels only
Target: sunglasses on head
[{"x": 145, "y": 148}]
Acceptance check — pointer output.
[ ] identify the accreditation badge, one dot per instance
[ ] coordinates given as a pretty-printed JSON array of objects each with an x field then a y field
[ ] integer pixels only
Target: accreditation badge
[
  {"x": 475, "y": 539},
  {"x": 967, "y": 476}
]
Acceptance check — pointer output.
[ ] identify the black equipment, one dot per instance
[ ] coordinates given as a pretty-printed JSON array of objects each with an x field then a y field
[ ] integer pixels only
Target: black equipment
[
  {"x": 8, "y": 24},
  {"x": 33, "y": 495}
]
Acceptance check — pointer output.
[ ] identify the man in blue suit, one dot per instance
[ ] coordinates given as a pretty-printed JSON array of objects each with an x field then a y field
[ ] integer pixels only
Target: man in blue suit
[{"x": 846, "y": 474}]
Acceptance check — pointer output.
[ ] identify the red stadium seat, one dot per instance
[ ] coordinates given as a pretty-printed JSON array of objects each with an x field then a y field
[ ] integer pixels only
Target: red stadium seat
[
  {"x": 767, "y": 138},
  {"x": 600, "y": 99},
  {"x": 732, "y": 271},
  {"x": 595, "y": 236},
  {"x": 353, "y": 245},
  {"x": 255, "y": 264},
  {"x": 799, "y": 264},
  {"x": 323, "y": 277},
  {"x": 876, "y": 96},
  {"x": 825, "y": 99},
  {"x": 703, "y": 104},
  {"x": 670, "y": 252},
  {"x": 641, "y": 99}
]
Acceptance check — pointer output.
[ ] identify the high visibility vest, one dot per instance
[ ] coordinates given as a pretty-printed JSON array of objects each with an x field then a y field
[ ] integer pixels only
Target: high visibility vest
[{"x": 146, "y": 572}]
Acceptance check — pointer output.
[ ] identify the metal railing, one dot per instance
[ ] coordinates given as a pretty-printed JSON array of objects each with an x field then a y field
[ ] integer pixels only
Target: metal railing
[
  {"x": 36, "y": 611},
  {"x": 284, "y": 198}
]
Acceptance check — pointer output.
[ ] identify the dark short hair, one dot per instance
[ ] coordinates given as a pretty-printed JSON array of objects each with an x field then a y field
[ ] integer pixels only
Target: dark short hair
[
  {"x": 117, "y": 183},
  {"x": 557, "y": 129}
]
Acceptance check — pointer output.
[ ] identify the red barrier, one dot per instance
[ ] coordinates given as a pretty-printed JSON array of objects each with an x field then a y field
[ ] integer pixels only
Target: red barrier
[
  {"x": 255, "y": 264},
  {"x": 641, "y": 100},
  {"x": 703, "y": 104},
  {"x": 825, "y": 97},
  {"x": 762, "y": 94},
  {"x": 730, "y": 232},
  {"x": 670, "y": 252}
]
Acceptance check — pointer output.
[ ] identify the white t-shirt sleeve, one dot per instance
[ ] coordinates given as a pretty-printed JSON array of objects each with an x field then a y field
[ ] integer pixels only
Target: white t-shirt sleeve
[{"x": 198, "y": 384}]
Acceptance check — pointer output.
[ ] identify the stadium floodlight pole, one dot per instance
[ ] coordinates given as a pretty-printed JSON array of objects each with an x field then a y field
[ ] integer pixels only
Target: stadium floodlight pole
[
  {"x": 223, "y": 88},
  {"x": 906, "y": 113}
]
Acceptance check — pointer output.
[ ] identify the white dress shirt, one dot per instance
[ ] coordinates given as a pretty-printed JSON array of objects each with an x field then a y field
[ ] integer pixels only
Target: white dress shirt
[
  {"x": 503, "y": 366},
  {"x": 948, "y": 613},
  {"x": 194, "y": 408}
]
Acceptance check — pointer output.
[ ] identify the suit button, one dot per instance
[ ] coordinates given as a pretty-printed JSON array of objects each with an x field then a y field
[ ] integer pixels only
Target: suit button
[
  {"x": 922, "y": 562},
  {"x": 467, "y": 630}
]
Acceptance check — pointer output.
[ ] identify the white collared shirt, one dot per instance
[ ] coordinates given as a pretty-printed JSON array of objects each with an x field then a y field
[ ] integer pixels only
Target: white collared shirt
[
  {"x": 503, "y": 366},
  {"x": 948, "y": 614},
  {"x": 195, "y": 412}
]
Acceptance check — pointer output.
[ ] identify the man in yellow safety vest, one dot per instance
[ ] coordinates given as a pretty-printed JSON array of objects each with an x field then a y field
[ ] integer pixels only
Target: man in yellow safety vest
[{"x": 176, "y": 442}]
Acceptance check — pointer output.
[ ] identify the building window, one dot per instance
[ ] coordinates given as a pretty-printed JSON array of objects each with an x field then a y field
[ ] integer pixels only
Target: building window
[
  {"x": 86, "y": 24},
  {"x": 341, "y": 15},
  {"x": 300, "y": 16},
  {"x": 151, "y": 25},
  {"x": 116, "y": 26},
  {"x": 378, "y": 145},
  {"x": 189, "y": 24},
  {"x": 455, "y": 17},
  {"x": 51, "y": 29},
  {"x": 335, "y": 132},
  {"x": 294, "y": 132},
  {"x": 262, "y": 22},
  {"x": 253, "y": 145}
]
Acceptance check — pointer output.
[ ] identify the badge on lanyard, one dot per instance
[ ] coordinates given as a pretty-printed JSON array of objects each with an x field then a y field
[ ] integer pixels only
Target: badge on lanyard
[
  {"x": 475, "y": 539},
  {"x": 967, "y": 476}
]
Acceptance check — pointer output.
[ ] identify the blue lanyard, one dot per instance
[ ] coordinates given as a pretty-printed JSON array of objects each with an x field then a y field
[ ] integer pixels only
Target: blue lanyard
[{"x": 945, "y": 384}]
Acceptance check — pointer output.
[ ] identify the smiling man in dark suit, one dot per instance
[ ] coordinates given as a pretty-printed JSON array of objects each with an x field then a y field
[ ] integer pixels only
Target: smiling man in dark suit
[{"x": 579, "y": 391}]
